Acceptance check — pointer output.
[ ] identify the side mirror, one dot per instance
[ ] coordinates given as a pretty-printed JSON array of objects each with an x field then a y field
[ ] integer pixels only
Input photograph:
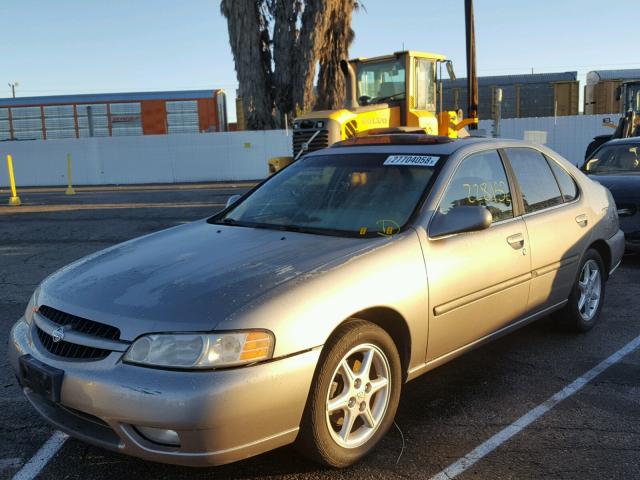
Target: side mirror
[
  {"x": 459, "y": 220},
  {"x": 232, "y": 199}
]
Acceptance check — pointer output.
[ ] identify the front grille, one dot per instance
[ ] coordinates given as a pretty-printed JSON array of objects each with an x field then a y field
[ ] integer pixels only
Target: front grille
[
  {"x": 72, "y": 350},
  {"x": 80, "y": 324},
  {"x": 302, "y": 136}
]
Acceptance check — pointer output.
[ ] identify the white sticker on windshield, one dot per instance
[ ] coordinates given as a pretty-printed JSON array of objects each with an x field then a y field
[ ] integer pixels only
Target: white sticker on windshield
[{"x": 412, "y": 160}]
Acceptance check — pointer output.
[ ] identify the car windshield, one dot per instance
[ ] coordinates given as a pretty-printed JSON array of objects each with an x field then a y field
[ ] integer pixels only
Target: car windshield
[
  {"x": 381, "y": 81},
  {"x": 358, "y": 195},
  {"x": 615, "y": 158}
]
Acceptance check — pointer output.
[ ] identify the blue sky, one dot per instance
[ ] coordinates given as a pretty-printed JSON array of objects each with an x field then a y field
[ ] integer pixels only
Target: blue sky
[{"x": 75, "y": 46}]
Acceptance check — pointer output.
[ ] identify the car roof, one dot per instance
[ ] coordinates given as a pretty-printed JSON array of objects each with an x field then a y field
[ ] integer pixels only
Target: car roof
[
  {"x": 436, "y": 148},
  {"x": 623, "y": 141}
]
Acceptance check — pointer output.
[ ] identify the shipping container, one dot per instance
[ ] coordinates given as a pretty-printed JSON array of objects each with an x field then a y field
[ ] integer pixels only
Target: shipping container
[
  {"x": 113, "y": 114},
  {"x": 532, "y": 95}
]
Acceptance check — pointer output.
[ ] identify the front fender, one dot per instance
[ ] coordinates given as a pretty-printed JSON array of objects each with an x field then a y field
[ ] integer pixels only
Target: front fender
[{"x": 303, "y": 313}]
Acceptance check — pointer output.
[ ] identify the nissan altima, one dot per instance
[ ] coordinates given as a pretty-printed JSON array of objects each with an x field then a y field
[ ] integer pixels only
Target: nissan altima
[{"x": 297, "y": 313}]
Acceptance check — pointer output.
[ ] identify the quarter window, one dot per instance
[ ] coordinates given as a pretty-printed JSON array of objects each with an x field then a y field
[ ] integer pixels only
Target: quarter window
[
  {"x": 567, "y": 184},
  {"x": 480, "y": 180},
  {"x": 537, "y": 183}
]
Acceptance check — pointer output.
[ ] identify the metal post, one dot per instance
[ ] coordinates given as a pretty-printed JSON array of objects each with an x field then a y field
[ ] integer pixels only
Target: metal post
[
  {"x": 497, "y": 111},
  {"x": 70, "y": 190},
  {"x": 472, "y": 79},
  {"x": 90, "y": 120},
  {"x": 14, "y": 200}
]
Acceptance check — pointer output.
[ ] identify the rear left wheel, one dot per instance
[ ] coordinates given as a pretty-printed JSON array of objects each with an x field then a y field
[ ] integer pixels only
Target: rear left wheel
[
  {"x": 354, "y": 396},
  {"x": 585, "y": 302}
]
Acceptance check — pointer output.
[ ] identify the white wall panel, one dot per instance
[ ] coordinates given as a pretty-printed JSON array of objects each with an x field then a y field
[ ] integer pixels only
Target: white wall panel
[
  {"x": 145, "y": 159},
  {"x": 569, "y": 136}
]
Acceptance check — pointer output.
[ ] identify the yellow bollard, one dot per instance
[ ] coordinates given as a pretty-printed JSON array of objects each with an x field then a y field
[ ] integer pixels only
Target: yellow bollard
[
  {"x": 15, "y": 199},
  {"x": 70, "y": 190}
]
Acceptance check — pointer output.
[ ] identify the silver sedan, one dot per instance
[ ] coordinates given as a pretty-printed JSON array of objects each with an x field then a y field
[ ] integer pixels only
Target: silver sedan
[{"x": 297, "y": 313}]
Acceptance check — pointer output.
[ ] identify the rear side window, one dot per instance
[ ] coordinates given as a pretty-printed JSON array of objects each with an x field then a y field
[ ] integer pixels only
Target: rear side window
[
  {"x": 480, "y": 180},
  {"x": 567, "y": 184},
  {"x": 537, "y": 183}
]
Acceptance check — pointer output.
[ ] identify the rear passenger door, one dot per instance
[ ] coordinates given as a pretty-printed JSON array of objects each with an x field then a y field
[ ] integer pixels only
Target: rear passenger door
[
  {"x": 478, "y": 281},
  {"x": 556, "y": 219}
]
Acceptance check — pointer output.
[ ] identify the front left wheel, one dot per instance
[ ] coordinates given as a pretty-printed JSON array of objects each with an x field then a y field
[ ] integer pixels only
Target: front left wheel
[{"x": 354, "y": 395}]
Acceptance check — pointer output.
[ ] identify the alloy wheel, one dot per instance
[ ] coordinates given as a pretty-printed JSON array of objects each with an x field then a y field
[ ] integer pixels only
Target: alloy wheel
[
  {"x": 358, "y": 395},
  {"x": 590, "y": 287}
]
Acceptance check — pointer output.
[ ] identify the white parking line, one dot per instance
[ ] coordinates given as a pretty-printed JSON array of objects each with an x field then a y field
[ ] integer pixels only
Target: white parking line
[
  {"x": 33, "y": 467},
  {"x": 505, "y": 434}
]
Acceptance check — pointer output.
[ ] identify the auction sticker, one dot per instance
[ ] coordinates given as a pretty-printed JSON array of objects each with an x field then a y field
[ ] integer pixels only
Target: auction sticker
[{"x": 412, "y": 160}]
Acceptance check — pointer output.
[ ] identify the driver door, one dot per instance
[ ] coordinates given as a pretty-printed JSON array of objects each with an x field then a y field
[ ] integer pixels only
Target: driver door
[{"x": 478, "y": 281}]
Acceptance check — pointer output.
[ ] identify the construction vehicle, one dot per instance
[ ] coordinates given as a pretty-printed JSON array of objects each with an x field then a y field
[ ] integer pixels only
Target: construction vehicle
[
  {"x": 401, "y": 91},
  {"x": 629, "y": 125}
]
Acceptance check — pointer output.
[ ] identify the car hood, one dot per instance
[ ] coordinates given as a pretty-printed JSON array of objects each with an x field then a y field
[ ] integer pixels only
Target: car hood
[
  {"x": 189, "y": 278},
  {"x": 622, "y": 186}
]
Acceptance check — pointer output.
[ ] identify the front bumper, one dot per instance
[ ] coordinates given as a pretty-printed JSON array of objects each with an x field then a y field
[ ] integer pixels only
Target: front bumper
[{"x": 221, "y": 416}]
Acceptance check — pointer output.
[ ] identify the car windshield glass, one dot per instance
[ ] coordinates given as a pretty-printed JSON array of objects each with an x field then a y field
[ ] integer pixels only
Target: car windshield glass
[
  {"x": 381, "y": 81},
  {"x": 615, "y": 158},
  {"x": 341, "y": 194}
]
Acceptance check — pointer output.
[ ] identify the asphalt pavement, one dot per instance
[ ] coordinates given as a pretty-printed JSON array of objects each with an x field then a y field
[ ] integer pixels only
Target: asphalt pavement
[{"x": 444, "y": 415}]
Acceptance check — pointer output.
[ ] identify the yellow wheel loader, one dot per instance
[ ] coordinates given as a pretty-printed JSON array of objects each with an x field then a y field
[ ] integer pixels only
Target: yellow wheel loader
[{"x": 398, "y": 90}]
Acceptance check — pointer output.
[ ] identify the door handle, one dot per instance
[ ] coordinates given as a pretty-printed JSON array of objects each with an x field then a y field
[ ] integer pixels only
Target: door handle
[
  {"x": 582, "y": 220},
  {"x": 516, "y": 241}
]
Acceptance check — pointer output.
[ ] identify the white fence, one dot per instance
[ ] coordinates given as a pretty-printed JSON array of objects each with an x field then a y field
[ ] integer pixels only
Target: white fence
[
  {"x": 211, "y": 157},
  {"x": 145, "y": 159},
  {"x": 569, "y": 136}
]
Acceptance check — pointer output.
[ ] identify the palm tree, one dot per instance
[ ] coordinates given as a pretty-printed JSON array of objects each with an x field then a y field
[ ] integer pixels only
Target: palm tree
[{"x": 277, "y": 45}]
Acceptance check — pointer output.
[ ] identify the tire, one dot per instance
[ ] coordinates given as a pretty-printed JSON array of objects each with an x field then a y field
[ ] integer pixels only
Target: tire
[
  {"x": 587, "y": 296},
  {"x": 367, "y": 399}
]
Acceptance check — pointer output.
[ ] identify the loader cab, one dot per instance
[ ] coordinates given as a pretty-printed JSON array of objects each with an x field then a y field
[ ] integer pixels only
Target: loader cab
[{"x": 405, "y": 81}]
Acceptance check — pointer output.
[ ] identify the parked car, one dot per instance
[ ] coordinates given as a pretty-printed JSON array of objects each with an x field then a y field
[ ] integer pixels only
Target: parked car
[
  {"x": 297, "y": 313},
  {"x": 616, "y": 165}
]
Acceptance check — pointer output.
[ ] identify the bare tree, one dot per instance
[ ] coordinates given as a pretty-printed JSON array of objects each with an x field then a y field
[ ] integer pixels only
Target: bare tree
[{"x": 277, "y": 45}]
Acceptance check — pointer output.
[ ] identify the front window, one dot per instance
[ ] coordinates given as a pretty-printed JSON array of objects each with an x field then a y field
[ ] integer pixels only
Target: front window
[
  {"x": 615, "y": 158},
  {"x": 360, "y": 195},
  {"x": 380, "y": 82},
  {"x": 480, "y": 180}
]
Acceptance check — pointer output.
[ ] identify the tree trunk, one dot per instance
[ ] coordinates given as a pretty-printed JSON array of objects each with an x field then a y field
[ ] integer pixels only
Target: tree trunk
[
  {"x": 248, "y": 36},
  {"x": 276, "y": 64},
  {"x": 285, "y": 35},
  {"x": 338, "y": 38}
]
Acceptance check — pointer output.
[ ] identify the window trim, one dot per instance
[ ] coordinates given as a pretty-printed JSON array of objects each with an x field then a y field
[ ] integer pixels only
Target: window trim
[{"x": 448, "y": 183}]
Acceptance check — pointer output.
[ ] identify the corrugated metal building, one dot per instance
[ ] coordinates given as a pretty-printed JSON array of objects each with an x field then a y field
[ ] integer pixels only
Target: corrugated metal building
[
  {"x": 532, "y": 95},
  {"x": 113, "y": 114},
  {"x": 600, "y": 92}
]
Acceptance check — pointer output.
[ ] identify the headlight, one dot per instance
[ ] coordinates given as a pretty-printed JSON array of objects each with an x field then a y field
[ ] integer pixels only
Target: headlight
[
  {"x": 201, "y": 351},
  {"x": 31, "y": 306}
]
